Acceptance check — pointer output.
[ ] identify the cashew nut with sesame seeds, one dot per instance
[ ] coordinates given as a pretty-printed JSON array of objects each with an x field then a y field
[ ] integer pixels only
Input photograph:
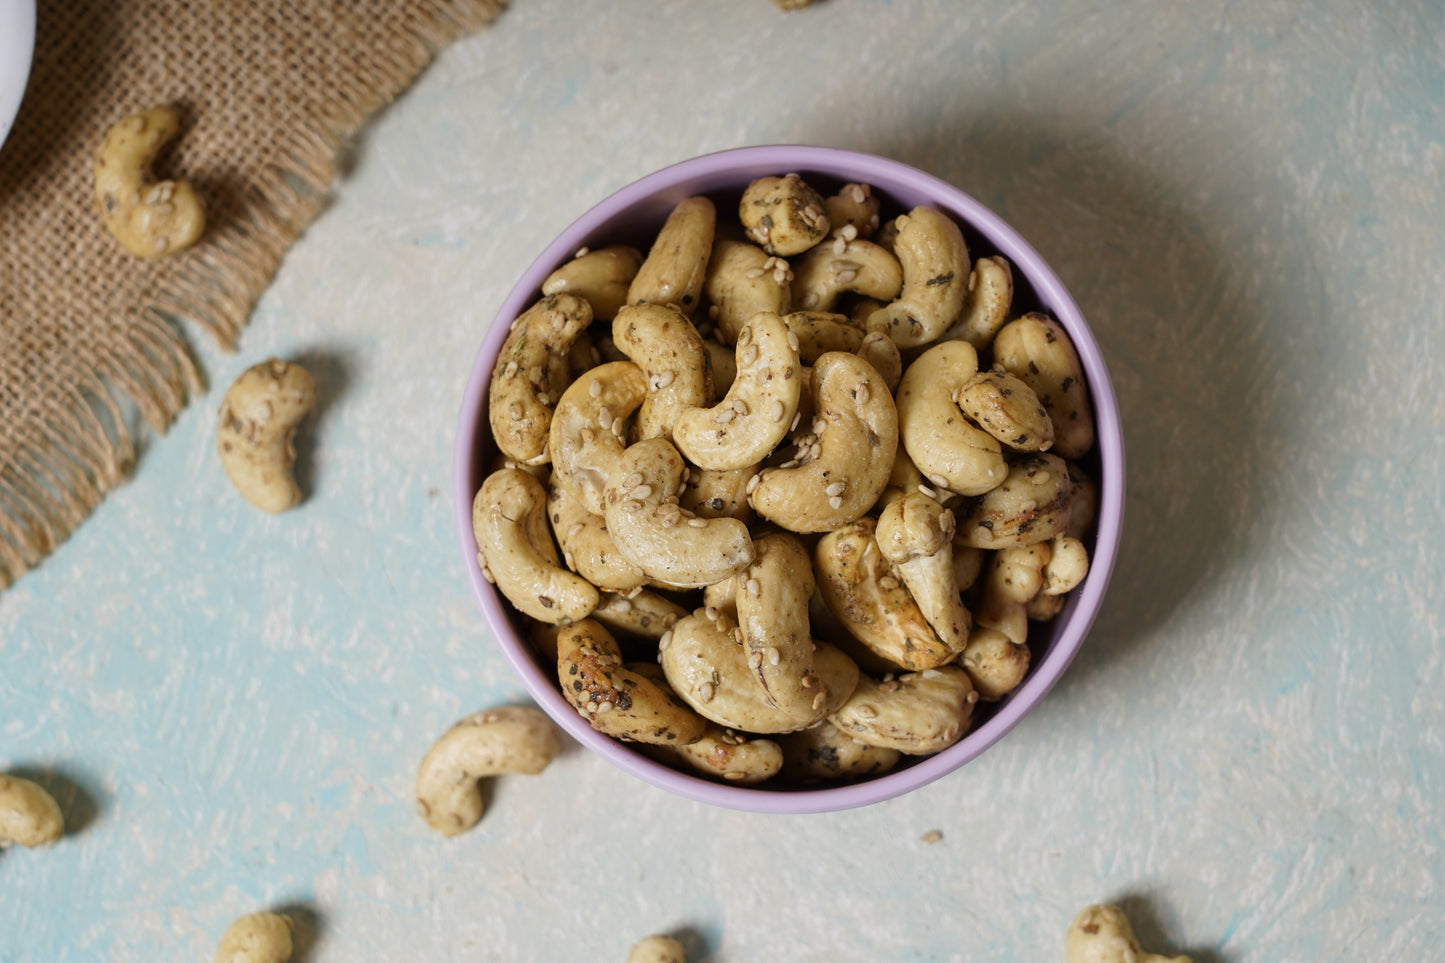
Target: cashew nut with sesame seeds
[
  {"x": 934, "y": 258},
  {"x": 783, "y": 214},
  {"x": 719, "y": 494},
  {"x": 1007, "y": 409},
  {"x": 509, "y": 520},
  {"x": 587, "y": 547},
  {"x": 755, "y": 414},
  {"x": 770, "y": 598},
  {"x": 855, "y": 206},
  {"x": 643, "y": 615},
  {"x": 952, "y": 453},
  {"x": 722, "y": 361},
  {"x": 825, "y": 753},
  {"x": 859, "y": 586},
  {"x": 824, "y": 274},
  {"x": 624, "y": 700},
  {"x": 879, "y": 350},
  {"x": 150, "y": 220},
  {"x": 1036, "y": 349},
  {"x": 1014, "y": 576},
  {"x": 601, "y": 277},
  {"x": 1102, "y": 934},
  {"x": 743, "y": 279},
  {"x": 256, "y": 938},
  {"x": 509, "y": 739},
  {"x": 256, "y": 431},
  {"x": 856, "y": 430},
  {"x": 585, "y": 434},
  {"x": 995, "y": 663},
  {"x": 29, "y": 815},
  {"x": 915, "y": 533},
  {"x": 658, "y": 949},
  {"x": 917, "y": 713},
  {"x": 730, "y": 756},
  {"x": 664, "y": 344},
  {"x": 819, "y": 332},
  {"x": 985, "y": 309},
  {"x": 676, "y": 264},
  {"x": 530, "y": 374},
  {"x": 1029, "y": 506}
]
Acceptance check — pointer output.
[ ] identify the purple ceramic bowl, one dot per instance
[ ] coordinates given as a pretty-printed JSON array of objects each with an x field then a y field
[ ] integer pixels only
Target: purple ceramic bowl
[{"x": 633, "y": 216}]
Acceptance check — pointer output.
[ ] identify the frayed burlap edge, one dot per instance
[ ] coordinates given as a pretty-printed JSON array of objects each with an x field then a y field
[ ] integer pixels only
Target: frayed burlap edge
[{"x": 80, "y": 452}]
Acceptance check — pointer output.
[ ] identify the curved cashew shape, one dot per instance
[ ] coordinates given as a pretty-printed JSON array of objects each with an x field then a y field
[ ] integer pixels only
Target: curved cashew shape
[
  {"x": 668, "y": 349},
  {"x": 1102, "y": 934},
  {"x": 676, "y": 265},
  {"x": 1014, "y": 576},
  {"x": 771, "y": 598},
  {"x": 950, "y": 452},
  {"x": 510, "y": 739},
  {"x": 256, "y": 433},
  {"x": 29, "y": 815},
  {"x": 916, "y": 714},
  {"x": 755, "y": 414},
  {"x": 856, "y": 429},
  {"x": 934, "y": 258},
  {"x": 651, "y": 530},
  {"x": 995, "y": 663},
  {"x": 743, "y": 279},
  {"x": 859, "y": 587},
  {"x": 783, "y": 214},
  {"x": 1007, "y": 409},
  {"x": 1083, "y": 502},
  {"x": 1029, "y": 506},
  {"x": 825, "y": 753},
  {"x": 915, "y": 533},
  {"x": 990, "y": 295},
  {"x": 722, "y": 361},
  {"x": 509, "y": 520},
  {"x": 819, "y": 332},
  {"x": 730, "y": 756},
  {"x": 530, "y": 374},
  {"x": 150, "y": 220},
  {"x": 624, "y": 701},
  {"x": 587, "y": 546},
  {"x": 1068, "y": 564},
  {"x": 1036, "y": 349},
  {"x": 585, "y": 432},
  {"x": 879, "y": 350},
  {"x": 823, "y": 275},
  {"x": 657, "y": 949},
  {"x": 855, "y": 206},
  {"x": 256, "y": 938},
  {"x": 601, "y": 277},
  {"x": 719, "y": 494},
  {"x": 644, "y": 615}
]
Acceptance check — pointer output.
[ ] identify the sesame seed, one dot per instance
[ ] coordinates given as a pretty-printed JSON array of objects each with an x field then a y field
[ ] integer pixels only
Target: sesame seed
[
  {"x": 669, "y": 620},
  {"x": 931, "y": 673},
  {"x": 938, "y": 480},
  {"x": 837, "y": 488},
  {"x": 793, "y": 340},
  {"x": 846, "y": 277},
  {"x": 865, "y": 711},
  {"x": 808, "y": 680},
  {"x": 890, "y": 686},
  {"x": 819, "y": 425},
  {"x": 740, "y": 406},
  {"x": 818, "y": 701},
  {"x": 755, "y": 660},
  {"x": 665, "y": 378},
  {"x": 888, "y": 583},
  {"x": 664, "y": 642},
  {"x": 835, "y": 503},
  {"x": 755, "y": 588},
  {"x": 840, "y": 245},
  {"x": 511, "y": 369},
  {"x": 735, "y": 776},
  {"x": 582, "y": 251},
  {"x": 753, "y": 483},
  {"x": 642, "y": 492},
  {"x": 487, "y": 574},
  {"x": 932, "y": 836},
  {"x": 811, "y": 300},
  {"x": 972, "y": 697},
  {"x": 856, "y": 193},
  {"x": 749, "y": 355},
  {"x": 712, "y": 312},
  {"x": 594, "y": 390},
  {"x": 588, "y": 436},
  {"x": 1042, "y": 478},
  {"x": 796, "y": 418},
  {"x": 724, "y": 415},
  {"x": 697, "y": 522},
  {"x": 862, "y": 393},
  {"x": 604, "y": 706},
  {"x": 850, "y": 232},
  {"x": 711, "y": 612},
  {"x": 705, "y": 692},
  {"x": 925, "y": 490},
  {"x": 632, "y": 480},
  {"x": 516, "y": 411},
  {"x": 575, "y": 529},
  {"x": 604, "y": 417},
  {"x": 774, "y": 656}
]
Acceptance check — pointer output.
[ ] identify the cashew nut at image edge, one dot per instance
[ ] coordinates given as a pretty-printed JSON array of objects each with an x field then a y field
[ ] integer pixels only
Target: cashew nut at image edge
[
  {"x": 664, "y": 344},
  {"x": 515, "y": 550},
  {"x": 600, "y": 277},
  {"x": 743, "y": 279},
  {"x": 256, "y": 938},
  {"x": 676, "y": 265},
  {"x": 624, "y": 700},
  {"x": 1102, "y": 934},
  {"x": 950, "y": 452},
  {"x": 29, "y": 815},
  {"x": 757, "y": 411},
  {"x": 531, "y": 371},
  {"x": 783, "y": 214},
  {"x": 1037, "y": 350},
  {"x": 915, "y": 533},
  {"x": 657, "y": 949},
  {"x": 256, "y": 432},
  {"x": 917, "y": 713},
  {"x": 509, "y": 739},
  {"x": 149, "y": 219},
  {"x": 934, "y": 258},
  {"x": 853, "y": 442}
]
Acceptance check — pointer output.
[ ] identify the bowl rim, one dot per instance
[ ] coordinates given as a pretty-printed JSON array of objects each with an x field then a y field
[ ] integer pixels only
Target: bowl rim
[{"x": 732, "y": 166}]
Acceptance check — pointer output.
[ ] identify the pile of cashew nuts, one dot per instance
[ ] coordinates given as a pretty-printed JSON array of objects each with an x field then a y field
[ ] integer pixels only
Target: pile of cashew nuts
[{"x": 781, "y": 497}]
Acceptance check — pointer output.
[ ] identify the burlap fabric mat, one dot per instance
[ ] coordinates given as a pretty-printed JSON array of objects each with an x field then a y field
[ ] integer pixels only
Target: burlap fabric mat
[{"x": 270, "y": 90}]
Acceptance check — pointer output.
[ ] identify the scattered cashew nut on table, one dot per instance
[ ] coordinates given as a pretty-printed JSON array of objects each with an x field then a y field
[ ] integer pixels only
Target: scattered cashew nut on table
[
  {"x": 29, "y": 815},
  {"x": 657, "y": 949},
  {"x": 150, "y": 219},
  {"x": 256, "y": 938},
  {"x": 256, "y": 433},
  {"x": 1102, "y": 934}
]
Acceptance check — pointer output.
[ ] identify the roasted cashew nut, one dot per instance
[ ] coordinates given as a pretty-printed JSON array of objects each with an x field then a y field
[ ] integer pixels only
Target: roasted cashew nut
[
  {"x": 29, "y": 815},
  {"x": 719, "y": 494},
  {"x": 859, "y": 587},
  {"x": 657, "y": 949},
  {"x": 510, "y": 739},
  {"x": 783, "y": 214},
  {"x": 585, "y": 434},
  {"x": 1102, "y": 934},
  {"x": 663, "y": 343},
  {"x": 642, "y": 615},
  {"x": 676, "y": 264},
  {"x": 915, "y": 533},
  {"x": 1007, "y": 409},
  {"x": 771, "y": 601},
  {"x": 985, "y": 309},
  {"x": 730, "y": 756},
  {"x": 724, "y": 366},
  {"x": 934, "y": 257},
  {"x": 854, "y": 438},
  {"x": 757, "y": 411},
  {"x": 1014, "y": 576},
  {"x": 951, "y": 452},
  {"x": 819, "y": 332},
  {"x": 823, "y": 275},
  {"x": 917, "y": 713},
  {"x": 256, "y": 432},
  {"x": 150, "y": 220},
  {"x": 855, "y": 206},
  {"x": 743, "y": 279},
  {"x": 587, "y": 546},
  {"x": 1029, "y": 506},
  {"x": 1036, "y": 350},
  {"x": 825, "y": 753},
  {"x": 656, "y": 534},
  {"x": 995, "y": 663},
  {"x": 509, "y": 520},
  {"x": 626, "y": 701},
  {"x": 256, "y": 938},
  {"x": 879, "y": 350},
  {"x": 531, "y": 373},
  {"x": 601, "y": 277}
]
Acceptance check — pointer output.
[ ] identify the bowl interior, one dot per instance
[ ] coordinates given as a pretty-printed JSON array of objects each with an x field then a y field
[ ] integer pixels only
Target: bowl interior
[{"x": 632, "y": 216}]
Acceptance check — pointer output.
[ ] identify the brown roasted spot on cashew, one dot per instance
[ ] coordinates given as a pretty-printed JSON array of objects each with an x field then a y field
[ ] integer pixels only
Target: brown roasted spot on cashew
[
  {"x": 149, "y": 219},
  {"x": 623, "y": 701}
]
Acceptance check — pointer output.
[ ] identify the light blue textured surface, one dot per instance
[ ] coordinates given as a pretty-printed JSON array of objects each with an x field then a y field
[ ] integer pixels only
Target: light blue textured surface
[{"x": 1245, "y": 200}]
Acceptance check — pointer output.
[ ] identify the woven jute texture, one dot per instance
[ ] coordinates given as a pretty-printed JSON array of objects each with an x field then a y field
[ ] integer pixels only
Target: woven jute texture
[{"x": 270, "y": 91}]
